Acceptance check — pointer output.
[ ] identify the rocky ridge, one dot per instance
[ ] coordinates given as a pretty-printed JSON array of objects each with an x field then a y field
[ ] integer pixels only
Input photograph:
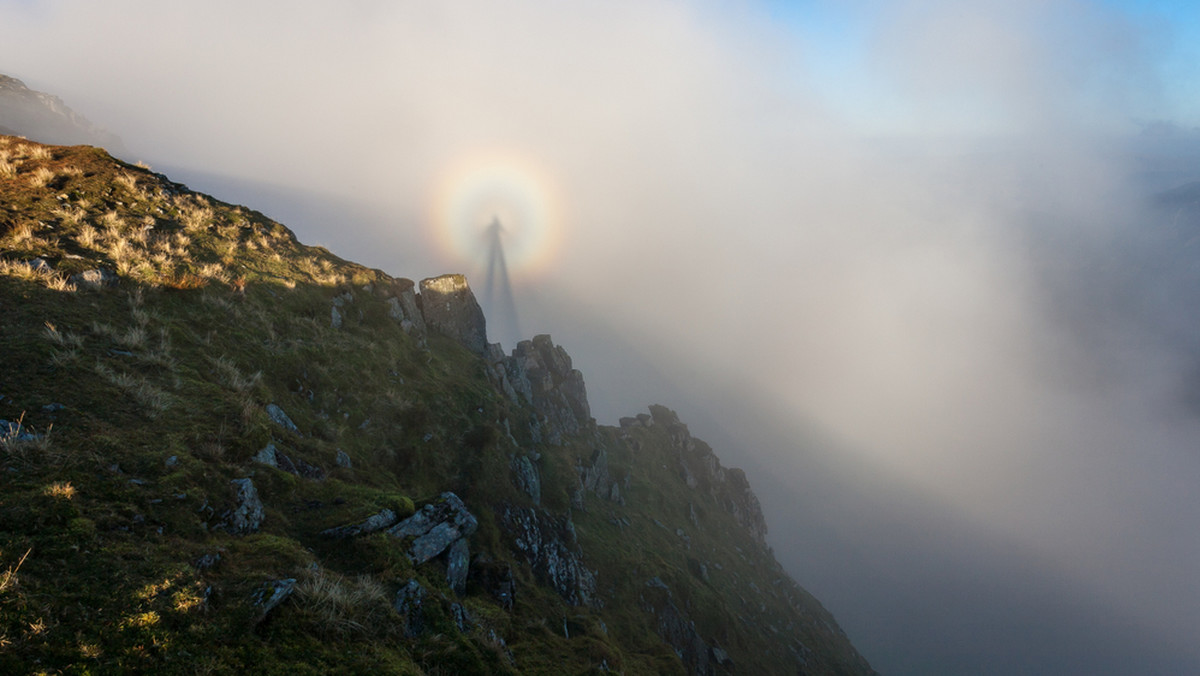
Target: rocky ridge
[{"x": 347, "y": 470}]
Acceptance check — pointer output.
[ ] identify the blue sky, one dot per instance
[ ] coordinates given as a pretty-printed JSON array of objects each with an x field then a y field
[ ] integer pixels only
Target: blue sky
[{"x": 1148, "y": 48}]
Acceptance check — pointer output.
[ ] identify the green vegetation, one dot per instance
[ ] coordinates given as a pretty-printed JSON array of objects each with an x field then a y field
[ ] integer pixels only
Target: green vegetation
[{"x": 140, "y": 401}]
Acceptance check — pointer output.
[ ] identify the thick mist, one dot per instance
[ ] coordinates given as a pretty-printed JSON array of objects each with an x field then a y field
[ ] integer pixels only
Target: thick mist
[{"x": 919, "y": 284}]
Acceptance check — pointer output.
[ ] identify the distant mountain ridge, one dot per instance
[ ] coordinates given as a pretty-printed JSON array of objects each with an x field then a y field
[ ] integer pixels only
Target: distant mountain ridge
[{"x": 44, "y": 117}]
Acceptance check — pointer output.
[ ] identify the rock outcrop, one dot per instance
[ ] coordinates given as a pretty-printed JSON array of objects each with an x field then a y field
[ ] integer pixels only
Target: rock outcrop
[
  {"x": 540, "y": 374},
  {"x": 448, "y": 307},
  {"x": 701, "y": 470},
  {"x": 246, "y": 514},
  {"x": 548, "y": 544}
]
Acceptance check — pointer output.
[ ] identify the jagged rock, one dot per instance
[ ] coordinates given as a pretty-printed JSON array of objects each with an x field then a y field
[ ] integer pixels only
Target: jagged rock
[
  {"x": 272, "y": 593},
  {"x": 271, "y": 456},
  {"x": 680, "y": 633},
  {"x": 280, "y": 418},
  {"x": 95, "y": 279},
  {"x": 525, "y": 477},
  {"x": 409, "y": 600},
  {"x": 540, "y": 374},
  {"x": 343, "y": 460},
  {"x": 701, "y": 470},
  {"x": 457, "y": 564},
  {"x": 721, "y": 657},
  {"x": 267, "y": 456},
  {"x": 207, "y": 561},
  {"x": 335, "y": 317},
  {"x": 543, "y": 540},
  {"x": 449, "y": 307},
  {"x": 435, "y": 527},
  {"x": 306, "y": 469},
  {"x": 376, "y": 522},
  {"x": 462, "y": 618},
  {"x": 247, "y": 514},
  {"x": 405, "y": 308}
]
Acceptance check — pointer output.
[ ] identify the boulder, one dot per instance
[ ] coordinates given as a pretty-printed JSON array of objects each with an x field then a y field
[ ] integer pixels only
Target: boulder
[
  {"x": 435, "y": 528},
  {"x": 272, "y": 593},
  {"x": 247, "y": 513},
  {"x": 457, "y": 564},
  {"x": 376, "y": 522},
  {"x": 409, "y": 600},
  {"x": 449, "y": 307}
]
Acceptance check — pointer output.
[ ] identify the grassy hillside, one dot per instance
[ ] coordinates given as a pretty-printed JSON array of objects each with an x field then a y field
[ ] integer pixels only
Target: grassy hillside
[{"x": 151, "y": 338}]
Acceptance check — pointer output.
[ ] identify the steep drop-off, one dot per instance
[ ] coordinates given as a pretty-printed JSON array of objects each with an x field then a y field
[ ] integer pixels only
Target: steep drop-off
[{"x": 224, "y": 450}]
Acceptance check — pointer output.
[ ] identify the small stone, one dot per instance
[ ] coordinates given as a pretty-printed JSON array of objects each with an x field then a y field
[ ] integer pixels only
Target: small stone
[
  {"x": 343, "y": 460},
  {"x": 95, "y": 279},
  {"x": 267, "y": 456},
  {"x": 272, "y": 593},
  {"x": 280, "y": 418},
  {"x": 171, "y": 461}
]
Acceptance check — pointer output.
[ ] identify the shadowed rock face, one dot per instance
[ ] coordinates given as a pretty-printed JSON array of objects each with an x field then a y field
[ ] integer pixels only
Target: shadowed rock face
[
  {"x": 42, "y": 117},
  {"x": 449, "y": 307}
]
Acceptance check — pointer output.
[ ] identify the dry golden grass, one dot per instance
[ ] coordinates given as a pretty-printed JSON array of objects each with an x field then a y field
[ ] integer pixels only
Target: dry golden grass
[
  {"x": 20, "y": 236},
  {"x": 88, "y": 236},
  {"x": 8, "y": 168},
  {"x": 128, "y": 181},
  {"x": 232, "y": 377},
  {"x": 341, "y": 606},
  {"x": 39, "y": 153},
  {"x": 62, "y": 490},
  {"x": 8, "y": 579},
  {"x": 44, "y": 276},
  {"x": 68, "y": 214},
  {"x": 41, "y": 177},
  {"x": 153, "y": 400}
]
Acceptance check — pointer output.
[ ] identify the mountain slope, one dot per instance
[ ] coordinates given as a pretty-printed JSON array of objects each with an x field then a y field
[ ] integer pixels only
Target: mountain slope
[
  {"x": 44, "y": 117},
  {"x": 226, "y": 450}
]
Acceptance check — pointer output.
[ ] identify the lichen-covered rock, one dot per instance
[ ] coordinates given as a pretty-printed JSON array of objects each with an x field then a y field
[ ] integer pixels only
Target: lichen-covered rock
[
  {"x": 267, "y": 456},
  {"x": 525, "y": 476},
  {"x": 546, "y": 542},
  {"x": 280, "y": 418},
  {"x": 247, "y": 513},
  {"x": 457, "y": 564},
  {"x": 343, "y": 460},
  {"x": 404, "y": 308},
  {"x": 540, "y": 374},
  {"x": 435, "y": 527},
  {"x": 272, "y": 593},
  {"x": 449, "y": 307},
  {"x": 376, "y": 522},
  {"x": 409, "y": 601}
]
